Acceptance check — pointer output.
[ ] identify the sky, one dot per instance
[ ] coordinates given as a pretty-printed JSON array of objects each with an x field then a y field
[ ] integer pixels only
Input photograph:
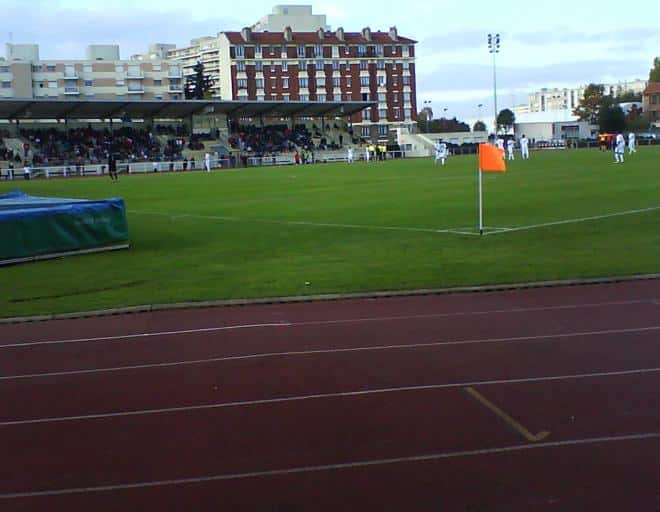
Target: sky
[{"x": 558, "y": 43}]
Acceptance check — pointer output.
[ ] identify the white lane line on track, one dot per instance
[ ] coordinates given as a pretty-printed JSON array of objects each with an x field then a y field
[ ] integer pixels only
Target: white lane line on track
[
  {"x": 289, "y": 353},
  {"x": 328, "y": 322},
  {"x": 335, "y": 467},
  {"x": 319, "y": 396}
]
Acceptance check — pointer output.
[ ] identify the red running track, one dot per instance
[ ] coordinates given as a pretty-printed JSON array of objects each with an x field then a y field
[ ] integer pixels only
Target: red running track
[{"x": 541, "y": 399}]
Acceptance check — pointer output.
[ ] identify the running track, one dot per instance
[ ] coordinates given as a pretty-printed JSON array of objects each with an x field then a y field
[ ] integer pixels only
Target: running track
[{"x": 538, "y": 399}]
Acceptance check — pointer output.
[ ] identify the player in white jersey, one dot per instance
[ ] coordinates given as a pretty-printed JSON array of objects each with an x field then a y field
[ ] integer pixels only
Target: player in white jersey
[
  {"x": 350, "y": 155},
  {"x": 207, "y": 162},
  {"x": 632, "y": 143},
  {"x": 509, "y": 150},
  {"x": 619, "y": 148},
  {"x": 440, "y": 152},
  {"x": 500, "y": 143},
  {"x": 367, "y": 154},
  {"x": 524, "y": 147}
]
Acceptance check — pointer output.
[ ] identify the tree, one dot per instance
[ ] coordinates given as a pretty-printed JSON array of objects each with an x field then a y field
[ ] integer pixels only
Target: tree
[
  {"x": 628, "y": 97},
  {"x": 654, "y": 75},
  {"x": 611, "y": 118},
  {"x": 444, "y": 125},
  {"x": 506, "y": 119},
  {"x": 591, "y": 103},
  {"x": 479, "y": 126},
  {"x": 198, "y": 85},
  {"x": 635, "y": 120}
]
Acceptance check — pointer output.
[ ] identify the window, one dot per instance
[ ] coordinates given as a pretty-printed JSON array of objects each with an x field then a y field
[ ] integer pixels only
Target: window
[
  {"x": 301, "y": 65},
  {"x": 364, "y": 65},
  {"x": 406, "y": 113},
  {"x": 283, "y": 53},
  {"x": 157, "y": 67},
  {"x": 300, "y": 50},
  {"x": 382, "y": 129},
  {"x": 260, "y": 97},
  {"x": 320, "y": 97},
  {"x": 336, "y": 82},
  {"x": 158, "y": 83},
  {"x": 260, "y": 83},
  {"x": 318, "y": 51},
  {"x": 406, "y": 66},
  {"x": 335, "y": 52},
  {"x": 380, "y": 64},
  {"x": 90, "y": 83},
  {"x": 406, "y": 97},
  {"x": 364, "y": 81},
  {"x": 303, "y": 83},
  {"x": 379, "y": 50},
  {"x": 273, "y": 83},
  {"x": 259, "y": 65},
  {"x": 118, "y": 69},
  {"x": 87, "y": 69},
  {"x": 50, "y": 69},
  {"x": 285, "y": 97},
  {"x": 257, "y": 50},
  {"x": 52, "y": 84},
  {"x": 240, "y": 66},
  {"x": 6, "y": 85},
  {"x": 335, "y": 65},
  {"x": 240, "y": 52},
  {"x": 285, "y": 66},
  {"x": 366, "y": 114},
  {"x": 319, "y": 65},
  {"x": 242, "y": 83},
  {"x": 362, "y": 50},
  {"x": 366, "y": 131},
  {"x": 381, "y": 97},
  {"x": 304, "y": 97},
  {"x": 285, "y": 83},
  {"x": 382, "y": 113},
  {"x": 406, "y": 80},
  {"x": 120, "y": 83},
  {"x": 381, "y": 81}
]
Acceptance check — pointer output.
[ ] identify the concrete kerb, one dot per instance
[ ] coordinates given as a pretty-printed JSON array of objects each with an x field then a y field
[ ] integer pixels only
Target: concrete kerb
[{"x": 147, "y": 308}]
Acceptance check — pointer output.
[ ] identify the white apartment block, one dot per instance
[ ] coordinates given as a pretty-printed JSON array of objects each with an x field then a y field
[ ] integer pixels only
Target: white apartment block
[
  {"x": 298, "y": 17},
  {"x": 205, "y": 50},
  {"x": 101, "y": 75},
  {"x": 548, "y": 100}
]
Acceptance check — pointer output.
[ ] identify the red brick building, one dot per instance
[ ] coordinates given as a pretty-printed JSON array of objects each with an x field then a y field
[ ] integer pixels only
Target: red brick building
[
  {"x": 652, "y": 103},
  {"x": 325, "y": 66}
]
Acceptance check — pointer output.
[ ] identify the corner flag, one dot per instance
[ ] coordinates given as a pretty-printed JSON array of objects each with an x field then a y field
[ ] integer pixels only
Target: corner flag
[{"x": 491, "y": 158}]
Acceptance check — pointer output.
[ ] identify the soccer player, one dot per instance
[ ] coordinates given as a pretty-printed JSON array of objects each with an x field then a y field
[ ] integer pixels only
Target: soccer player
[
  {"x": 207, "y": 162},
  {"x": 524, "y": 147},
  {"x": 619, "y": 148},
  {"x": 500, "y": 143},
  {"x": 632, "y": 143},
  {"x": 350, "y": 155},
  {"x": 440, "y": 152},
  {"x": 509, "y": 150},
  {"x": 367, "y": 154}
]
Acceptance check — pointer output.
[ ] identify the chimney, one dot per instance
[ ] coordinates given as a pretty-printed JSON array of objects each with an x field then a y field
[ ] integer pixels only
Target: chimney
[
  {"x": 288, "y": 34},
  {"x": 246, "y": 32},
  {"x": 340, "y": 33},
  {"x": 393, "y": 34},
  {"x": 366, "y": 33},
  {"x": 320, "y": 33}
]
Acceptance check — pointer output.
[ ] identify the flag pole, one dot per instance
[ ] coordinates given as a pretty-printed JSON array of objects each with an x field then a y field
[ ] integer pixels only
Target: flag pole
[{"x": 480, "y": 206}]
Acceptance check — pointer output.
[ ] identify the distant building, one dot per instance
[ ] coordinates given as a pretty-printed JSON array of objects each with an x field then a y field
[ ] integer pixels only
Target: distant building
[
  {"x": 101, "y": 75},
  {"x": 557, "y": 125},
  {"x": 651, "y": 100},
  {"x": 548, "y": 100},
  {"x": 298, "y": 17}
]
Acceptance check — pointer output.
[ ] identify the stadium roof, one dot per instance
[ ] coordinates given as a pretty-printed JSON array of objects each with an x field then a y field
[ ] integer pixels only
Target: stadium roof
[{"x": 116, "y": 109}]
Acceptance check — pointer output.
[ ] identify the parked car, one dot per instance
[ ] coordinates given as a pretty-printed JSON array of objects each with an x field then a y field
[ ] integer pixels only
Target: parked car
[{"x": 647, "y": 136}]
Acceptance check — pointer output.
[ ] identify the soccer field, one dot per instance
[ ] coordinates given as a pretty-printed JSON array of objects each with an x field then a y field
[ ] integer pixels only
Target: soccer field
[{"x": 392, "y": 225}]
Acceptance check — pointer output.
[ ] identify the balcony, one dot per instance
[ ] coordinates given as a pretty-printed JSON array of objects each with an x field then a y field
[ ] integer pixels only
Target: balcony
[
  {"x": 135, "y": 75},
  {"x": 71, "y": 91},
  {"x": 136, "y": 90},
  {"x": 175, "y": 88},
  {"x": 174, "y": 73},
  {"x": 71, "y": 75}
]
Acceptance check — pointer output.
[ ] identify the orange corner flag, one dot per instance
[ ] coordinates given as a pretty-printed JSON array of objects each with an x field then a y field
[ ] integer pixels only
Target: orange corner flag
[{"x": 491, "y": 158}]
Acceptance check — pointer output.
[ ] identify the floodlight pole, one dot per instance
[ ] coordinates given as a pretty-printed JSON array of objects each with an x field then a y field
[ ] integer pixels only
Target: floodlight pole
[
  {"x": 494, "y": 49},
  {"x": 480, "y": 200}
]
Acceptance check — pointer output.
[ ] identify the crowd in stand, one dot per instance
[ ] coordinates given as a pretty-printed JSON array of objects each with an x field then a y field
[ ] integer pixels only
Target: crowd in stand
[{"x": 271, "y": 139}]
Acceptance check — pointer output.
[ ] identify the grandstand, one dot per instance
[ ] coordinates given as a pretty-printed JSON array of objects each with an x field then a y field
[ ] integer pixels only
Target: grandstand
[{"x": 61, "y": 138}]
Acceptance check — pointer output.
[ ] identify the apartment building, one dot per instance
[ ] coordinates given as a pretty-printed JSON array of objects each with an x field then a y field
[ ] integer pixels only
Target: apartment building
[
  {"x": 325, "y": 66},
  {"x": 548, "y": 100},
  {"x": 204, "y": 50},
  {"x": 652, "y": 103},
  {"x": 101, "y": 75},
  {"x": 299, "y": 17}
]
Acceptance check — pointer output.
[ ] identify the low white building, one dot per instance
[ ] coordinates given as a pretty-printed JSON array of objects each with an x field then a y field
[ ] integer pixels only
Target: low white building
[{"x": 556, "y": 125}]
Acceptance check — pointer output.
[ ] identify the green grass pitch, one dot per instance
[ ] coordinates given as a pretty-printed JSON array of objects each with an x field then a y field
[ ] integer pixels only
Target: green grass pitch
[{"x": 351, "y": 228}]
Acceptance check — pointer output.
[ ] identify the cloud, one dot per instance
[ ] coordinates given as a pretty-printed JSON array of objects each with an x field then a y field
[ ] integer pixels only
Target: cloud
[{"x": 568, "y": 36}]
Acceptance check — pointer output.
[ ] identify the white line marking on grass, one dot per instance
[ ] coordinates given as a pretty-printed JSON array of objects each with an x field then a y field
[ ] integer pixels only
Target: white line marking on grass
[
  {"x": 335, "y": 467},
  {"x": 324, "y": 322},
  {"x": 265, "y": 355},
  {"x": 321, "y": 396},
  {"x": 573, "y": 221},
  {"x": 302, "y": 223}
]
